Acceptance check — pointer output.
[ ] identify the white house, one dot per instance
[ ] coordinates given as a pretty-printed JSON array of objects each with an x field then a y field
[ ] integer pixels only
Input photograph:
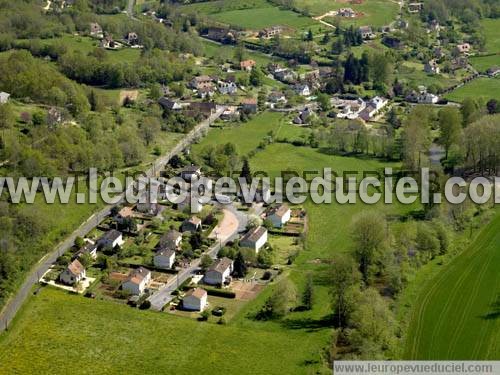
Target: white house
[
  {"x": 302, "y": 90},
  {"x": 346, "y": 12},
  {"x": 195, "y": 300},
  {"x": 255, "y": 238},
  {"x": 191, "y": 173},
  {"x": 219, "y": 272},
  {"x": 366, "y": 32},
  {"x": 227, "y": 88},
  {"x": 111, "y": 238},
  {"x": 137, "y": 281},
  {"x": 4, "y": 97},
  {"x": 432, "y": 67},
  {"x": 428, "y": 98},
  {"x": 279, "y": 215},
  {"x": 379, "y": 102},
  {"x": 171, "y": 240},
  {"x": 89, "y": 248},
  {"x": 193, "y": 206},
  {"x": 191, "y": 225},
  {"x": 74, "y": 273},
  {"x": 263, "y": 194},
  {"x": 146, "y": 205},
  {"x": 463, "y": 48},
  {"x": 96, "y": 30},
  {"x": 164, "y": 258}
]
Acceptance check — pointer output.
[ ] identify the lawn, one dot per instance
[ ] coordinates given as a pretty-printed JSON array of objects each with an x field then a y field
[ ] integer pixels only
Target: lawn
[
  {"x": 485, "y": 88},
  {"x": 86, "y": 45},
  {"x": 226, "y": 52},
  {"x": 490, "y": 28},
  {"x": 55, "y": 327},
  {"x": 253, "y": 14},
  {"x": 457, "y": 314},
  {"x": 375, "y": 12},
  {"x": 258, "y": 18},
  {"x": 483, "y": 63},
  {"x": 248, "y": 136},
  {"x": 414, "y": 75}
]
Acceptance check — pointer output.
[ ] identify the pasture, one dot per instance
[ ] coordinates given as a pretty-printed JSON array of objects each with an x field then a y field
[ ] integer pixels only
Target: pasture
[
  {"x": 247, "y": 136},
  {"x": 457, "y": 314},
  {"x": 54, "y": 326},
  {"x": 483, "y": 63},
  {"x": 484, "y": 88},
  {"x": 258, "y": 18},
  {"x": 86, "y": 45},
  {"x": 253, "y": 14},
  {"x": 490, "y": 29},
  {"x": 375, "y": 12}
]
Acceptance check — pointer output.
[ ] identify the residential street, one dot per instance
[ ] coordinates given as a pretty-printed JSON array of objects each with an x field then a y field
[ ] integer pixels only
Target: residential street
[
  {"x": 228, "y": 229},
  {"x": 16, "y": 301}
]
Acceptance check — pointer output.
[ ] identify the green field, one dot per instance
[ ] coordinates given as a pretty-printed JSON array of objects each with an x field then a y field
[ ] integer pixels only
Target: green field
[
  {"x": 247, "y": 136},
  {"x": 414, "y": 75},
  {"x": 375, "y": 12},
  {"x": 259, "y": 18},
  {"x": 457, "y": 316},
  {"x": 490, "y": 29},
  {"x": 56, "y": 328},
  {"x": 482, "y": 63},
  {"x": 485, "y": 88},
  {"x": 226, "y": 52},
  {"x": 86, "y": 45},
  {"x": 254, "y": 14}
]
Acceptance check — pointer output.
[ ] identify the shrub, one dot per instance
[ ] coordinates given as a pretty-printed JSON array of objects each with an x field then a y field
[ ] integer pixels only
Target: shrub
[
  {"x": 220, "y": 293},
  {"x": 219, "y": 311},
  {"x": 267, "y": 275},
  {"x": 204, "y": 316}
]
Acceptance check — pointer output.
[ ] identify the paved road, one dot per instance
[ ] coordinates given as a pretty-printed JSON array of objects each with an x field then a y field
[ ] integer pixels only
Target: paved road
[
  {"x": 14, "y": 304},
  {"x": 164, "y": 295}
]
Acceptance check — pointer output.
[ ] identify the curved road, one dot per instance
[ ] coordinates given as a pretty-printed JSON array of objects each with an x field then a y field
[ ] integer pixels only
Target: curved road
[
  {"x": 14, "y": 304},
  {"x": 228, "y": 229}
]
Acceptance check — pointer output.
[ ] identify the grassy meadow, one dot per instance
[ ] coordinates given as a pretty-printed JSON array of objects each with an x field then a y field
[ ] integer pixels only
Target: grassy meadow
[
  {"x": 253, "y": 14},
  {"x": 490, "y": 29},
  {"x": 457, "y": 314},
  {"x": 259, "y": 18},
  {"x": 483, "y": 63},
  {"x": 86, "y": 45},
  {"x": 247, "y": 136},
  {"x": 54, "y": 326},
  {"x": 375, "y": 12},
  {"x": 485, "y": 88}
]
